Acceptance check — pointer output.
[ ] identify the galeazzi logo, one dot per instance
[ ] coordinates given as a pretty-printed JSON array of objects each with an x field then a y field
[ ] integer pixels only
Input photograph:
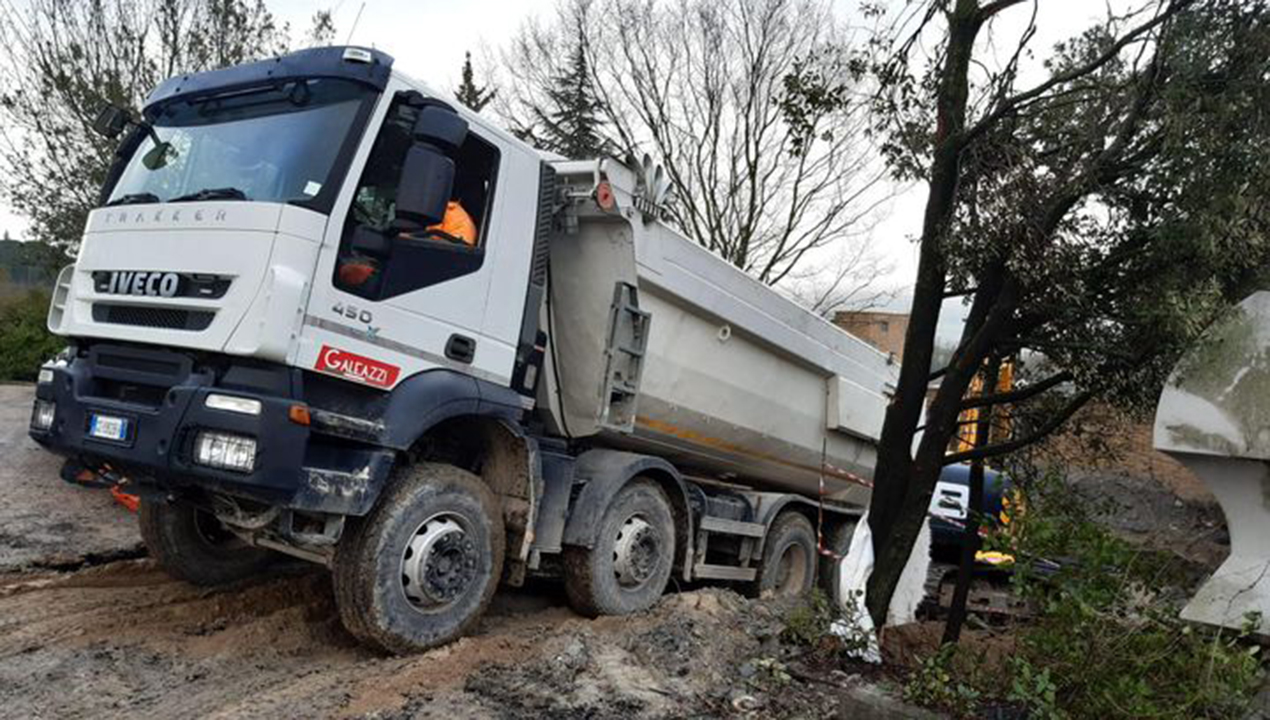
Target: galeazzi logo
[
  {"x": 356, "y": 367},
  {"x": 174, "y": 215}
]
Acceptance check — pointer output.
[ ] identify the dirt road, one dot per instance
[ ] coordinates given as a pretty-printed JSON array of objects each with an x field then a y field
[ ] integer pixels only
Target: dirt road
[
  {"x": 123, "y": 638},
  {"x": 43, "y": 521},
  {"x": 86, "y": 632}
]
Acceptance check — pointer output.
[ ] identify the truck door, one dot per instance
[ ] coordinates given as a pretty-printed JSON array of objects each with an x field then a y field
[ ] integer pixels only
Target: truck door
[{"x": 392, "y": 298}]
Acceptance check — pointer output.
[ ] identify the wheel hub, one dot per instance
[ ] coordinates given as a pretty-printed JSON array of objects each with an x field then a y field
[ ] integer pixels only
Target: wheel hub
[
  {"x": 636, "y": 552},
  {"x": 439, "y": 563}
]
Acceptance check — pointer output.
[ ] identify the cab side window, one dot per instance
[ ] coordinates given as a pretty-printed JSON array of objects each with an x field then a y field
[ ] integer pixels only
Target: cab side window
[{"x": 381, "y": 255}]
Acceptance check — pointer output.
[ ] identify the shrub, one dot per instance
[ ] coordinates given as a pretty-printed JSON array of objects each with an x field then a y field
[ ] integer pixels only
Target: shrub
[
  {"x": 937, "y": 684},
  {"x": 1106, "y": 640},
  {"x": 807, "y": 623},
  {"x": 25, "y": 342}
]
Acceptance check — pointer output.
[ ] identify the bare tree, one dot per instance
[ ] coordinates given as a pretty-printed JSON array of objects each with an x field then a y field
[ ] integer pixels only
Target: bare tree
[
  {"x": 761, "y": 176},
  {"x": 62, "y": 60},
  {"x": 852, "y": 279}
]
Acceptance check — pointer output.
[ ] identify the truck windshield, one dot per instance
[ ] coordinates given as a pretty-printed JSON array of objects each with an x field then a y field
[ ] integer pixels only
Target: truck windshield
[{"x": 271, "y": 144}]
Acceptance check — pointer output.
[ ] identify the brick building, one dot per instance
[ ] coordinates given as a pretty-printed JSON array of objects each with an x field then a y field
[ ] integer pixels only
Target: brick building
[{"x": 883, "y": 330}]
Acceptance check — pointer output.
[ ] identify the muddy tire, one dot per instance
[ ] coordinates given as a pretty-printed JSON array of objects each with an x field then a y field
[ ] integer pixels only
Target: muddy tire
[
  {"x": 629, "y": 566},
  {"x": 789, "y": 558},
  {"x": 838, "y": 540},
  {"x": 421, "y": 568},
  {"x": 192, "y": 545}
]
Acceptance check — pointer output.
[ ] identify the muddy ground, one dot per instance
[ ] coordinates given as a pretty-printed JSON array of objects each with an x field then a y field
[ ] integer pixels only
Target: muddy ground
[
  {"x": 43, "y": 522},
  {"x": 124, "y": 639},
  {"x": 89, "y": 628}
]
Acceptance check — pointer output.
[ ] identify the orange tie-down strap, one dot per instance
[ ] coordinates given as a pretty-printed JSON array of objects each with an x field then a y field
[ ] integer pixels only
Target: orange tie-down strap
[
  {"x": 132, "y": 502},
  {"x": 91, "y": 478}
]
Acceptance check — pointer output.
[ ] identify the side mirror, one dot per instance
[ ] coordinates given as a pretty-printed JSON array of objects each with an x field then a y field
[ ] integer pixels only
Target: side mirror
[
  {"x": 111, "y": 121},
  {"x": 427, "y": 178},
  {"x": 440, "y": 126}
]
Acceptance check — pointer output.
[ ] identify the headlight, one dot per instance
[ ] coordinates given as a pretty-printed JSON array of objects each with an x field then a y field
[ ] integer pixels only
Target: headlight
[
  {"x": 232, "y": 403},
  {"x": 42, "y": 414},
  {"x": 225, "y": 451},
  {"x": 45, "y": 377}
]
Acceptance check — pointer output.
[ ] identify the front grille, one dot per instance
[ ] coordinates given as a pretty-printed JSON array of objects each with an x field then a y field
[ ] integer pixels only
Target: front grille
[
  {"x": 134, "y": 393},
  {"x": 137, "y": 363},
  {"x": 155, "y": 317}
]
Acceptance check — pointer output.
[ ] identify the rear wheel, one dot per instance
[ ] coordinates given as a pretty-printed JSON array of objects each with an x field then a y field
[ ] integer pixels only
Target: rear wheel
[
  {"x": 627, "y": 569},
  {"x": 789, "y": 557},
  {"x": 192, "y": 545},
  {"x": 421, "y": 568}
]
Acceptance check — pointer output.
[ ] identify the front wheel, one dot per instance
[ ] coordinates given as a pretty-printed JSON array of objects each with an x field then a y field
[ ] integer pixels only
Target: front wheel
[
  {"x": 192, "y": 545},
  {"x": 421, "y": 568},
  {"x": 627, "y": 569}
]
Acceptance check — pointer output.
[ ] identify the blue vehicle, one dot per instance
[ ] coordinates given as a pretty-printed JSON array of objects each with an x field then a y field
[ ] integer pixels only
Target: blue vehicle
[{"x": 949, "y": 506}]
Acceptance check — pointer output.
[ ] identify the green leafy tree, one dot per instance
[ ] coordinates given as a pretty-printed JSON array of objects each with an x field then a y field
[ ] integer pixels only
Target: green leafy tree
[
  {"x": 570, "y": 122},
  {"x": 62, "y": 60},
  {"x": 1099, "y": 217},
  {"x": 469, "y": 93}
]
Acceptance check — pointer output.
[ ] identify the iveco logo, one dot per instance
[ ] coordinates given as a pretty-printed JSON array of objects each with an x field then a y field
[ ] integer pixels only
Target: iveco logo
[{"x": 160, "y": 284}]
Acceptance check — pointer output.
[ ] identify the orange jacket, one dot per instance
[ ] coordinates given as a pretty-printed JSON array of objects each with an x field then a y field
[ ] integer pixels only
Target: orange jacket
[{"x": 457, "y": 223}]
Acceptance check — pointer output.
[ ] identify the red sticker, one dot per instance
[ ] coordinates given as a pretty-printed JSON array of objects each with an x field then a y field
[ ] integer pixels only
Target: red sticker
[{"x": 356, "y": 367}]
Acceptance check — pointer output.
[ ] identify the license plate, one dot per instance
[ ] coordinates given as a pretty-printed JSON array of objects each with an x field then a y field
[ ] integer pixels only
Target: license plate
[{"x": 108, "y": 427}]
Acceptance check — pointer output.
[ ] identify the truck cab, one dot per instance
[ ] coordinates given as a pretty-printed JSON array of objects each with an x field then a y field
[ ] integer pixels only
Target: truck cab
[
  {"x": 215, "y": 260},
  {"x": 280, "y": 341}
]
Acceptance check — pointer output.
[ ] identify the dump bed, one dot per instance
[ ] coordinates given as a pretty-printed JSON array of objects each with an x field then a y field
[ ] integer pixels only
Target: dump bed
[{"x": 732, "y": 379}]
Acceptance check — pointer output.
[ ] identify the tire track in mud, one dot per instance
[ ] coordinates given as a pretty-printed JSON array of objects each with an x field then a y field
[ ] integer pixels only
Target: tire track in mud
[{"x": 123, "y": 638}]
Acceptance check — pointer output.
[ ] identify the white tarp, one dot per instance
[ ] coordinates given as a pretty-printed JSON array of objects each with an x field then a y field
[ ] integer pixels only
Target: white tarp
[{"x": 853, "y": 575}]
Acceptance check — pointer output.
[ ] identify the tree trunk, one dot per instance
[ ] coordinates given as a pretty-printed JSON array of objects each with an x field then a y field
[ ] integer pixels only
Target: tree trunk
[
  {"x": 893, "y": 529},
  {"x": 974, "y": 512}
]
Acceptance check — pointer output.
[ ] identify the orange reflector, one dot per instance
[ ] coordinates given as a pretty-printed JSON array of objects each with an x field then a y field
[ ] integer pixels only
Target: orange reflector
[
  {"x": 604, "y": 196},
  {"x": 299, "y": 414}
]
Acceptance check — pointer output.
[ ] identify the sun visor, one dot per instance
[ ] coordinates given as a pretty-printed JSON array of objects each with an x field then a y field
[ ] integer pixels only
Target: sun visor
[{"x": 370, "y": 67}]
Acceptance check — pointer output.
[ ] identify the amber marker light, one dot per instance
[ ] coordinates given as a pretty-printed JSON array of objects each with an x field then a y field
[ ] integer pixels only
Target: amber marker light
[{"x": 299, "y": 414}]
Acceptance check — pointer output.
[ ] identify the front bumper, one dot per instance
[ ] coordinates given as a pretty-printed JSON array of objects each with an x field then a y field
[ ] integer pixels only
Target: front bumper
[{"x": 162, "y": 395}]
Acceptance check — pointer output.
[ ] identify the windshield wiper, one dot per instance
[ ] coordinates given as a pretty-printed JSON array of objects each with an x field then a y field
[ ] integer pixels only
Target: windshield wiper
[
  {"x": 134, "y": 199},
  {"x": 225, "y": 193}
]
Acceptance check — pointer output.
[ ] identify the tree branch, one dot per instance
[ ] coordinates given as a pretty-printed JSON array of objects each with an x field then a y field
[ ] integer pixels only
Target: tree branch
[
  {"x": 1050, "y": 426},
  {"x": 1010, "y": 103},
  {"x": 1019, "y": 395},
  {"x": 992, "y": 8}
]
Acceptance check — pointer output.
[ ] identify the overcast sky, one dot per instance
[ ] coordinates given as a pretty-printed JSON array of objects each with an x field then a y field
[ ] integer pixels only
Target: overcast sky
[{"x": 428, "y": 39}]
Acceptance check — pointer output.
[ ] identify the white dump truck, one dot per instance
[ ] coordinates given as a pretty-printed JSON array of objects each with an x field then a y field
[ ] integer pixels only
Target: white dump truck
[
  {"x": 1214, "y": 417},
  {"x": 323, "y": 311}
]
